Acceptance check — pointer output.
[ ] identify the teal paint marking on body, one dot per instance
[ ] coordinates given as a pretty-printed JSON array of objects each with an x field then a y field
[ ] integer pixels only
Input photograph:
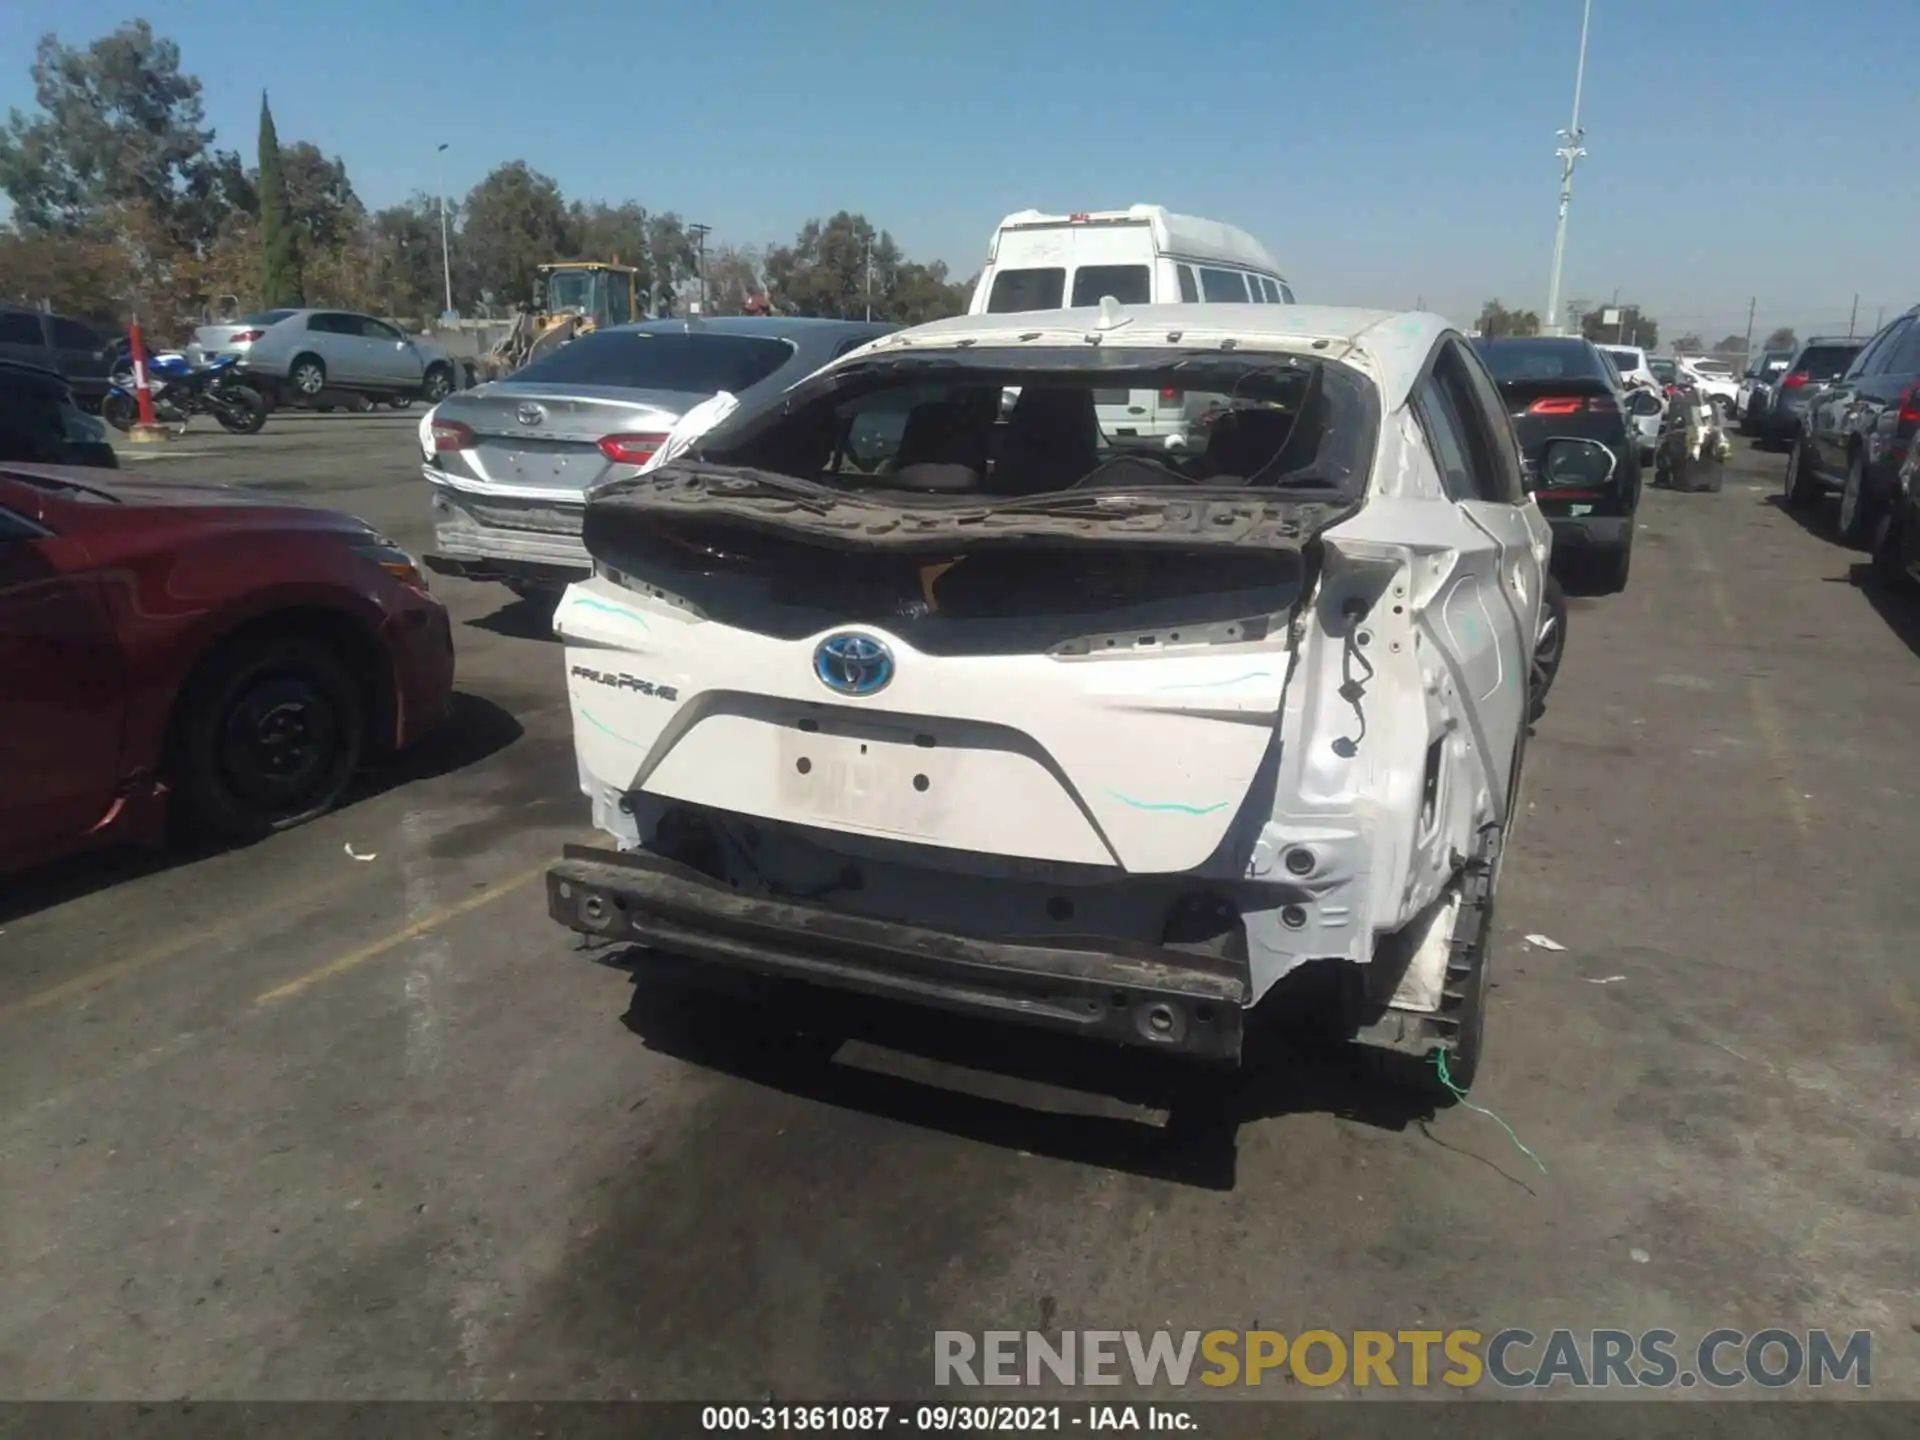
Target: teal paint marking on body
[
  {"x": 588, "y": 602},
  {"x": 1169, "y": 806},
  {"x": 600, "y": 725}
]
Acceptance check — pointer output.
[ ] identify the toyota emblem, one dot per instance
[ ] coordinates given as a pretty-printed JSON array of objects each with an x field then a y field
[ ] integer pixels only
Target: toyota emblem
[
  {"x": 853, "y": 664},
  {"x": 531, "y": 414}
]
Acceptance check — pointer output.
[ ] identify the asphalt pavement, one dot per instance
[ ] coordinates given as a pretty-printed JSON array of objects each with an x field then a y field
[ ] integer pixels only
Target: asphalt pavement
[{"x": 343, "y": 1115}]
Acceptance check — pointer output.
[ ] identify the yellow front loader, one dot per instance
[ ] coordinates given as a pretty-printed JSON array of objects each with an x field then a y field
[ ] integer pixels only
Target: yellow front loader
[{"x": 572, "y": 298}]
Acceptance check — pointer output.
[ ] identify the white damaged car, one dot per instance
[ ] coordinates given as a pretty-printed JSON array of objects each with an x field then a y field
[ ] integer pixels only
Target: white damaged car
[{"x": 879, "y": 689}]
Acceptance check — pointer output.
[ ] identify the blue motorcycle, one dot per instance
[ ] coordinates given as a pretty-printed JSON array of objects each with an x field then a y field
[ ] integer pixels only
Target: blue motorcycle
[{"x": 181, "y": 390}]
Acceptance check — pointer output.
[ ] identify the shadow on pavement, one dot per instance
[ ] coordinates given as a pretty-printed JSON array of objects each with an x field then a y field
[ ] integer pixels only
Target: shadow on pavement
[
  {"x": 1898, "y": 606},
  {"x": 1021, "y": 1089},
  {"x": 475, "y": 729},
  {"x": 1821, "y": 519},
  {"x": 525, "y": 618}
]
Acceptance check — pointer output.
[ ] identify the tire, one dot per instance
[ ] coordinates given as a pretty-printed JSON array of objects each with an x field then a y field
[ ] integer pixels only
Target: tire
[
  {"x": 1463, "y": 1005},
  {"x": 1549, "y": 648},
  {"x": 240, "y": 411},
  {"x": 1680, "y": 472},
  {"x": 438, "y": 384},
  {"x": 307, "y": 376},
  {"x": 120, "y": 410},
  {"x": 1802, "y": 489},
  {"x": 269, "y": 733},
  {"x": 1857, "y": 519}
]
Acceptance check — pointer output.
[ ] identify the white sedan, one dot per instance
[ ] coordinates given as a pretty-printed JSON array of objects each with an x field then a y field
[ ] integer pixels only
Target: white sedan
[{"x": 1016, "y": 723}]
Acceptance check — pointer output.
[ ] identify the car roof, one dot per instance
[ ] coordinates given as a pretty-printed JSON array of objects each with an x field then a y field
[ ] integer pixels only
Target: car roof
[
  {"x": 1392, "y": 345},
  {"x": 773, "y": 326},
  {"x": 27, "y": 370}
]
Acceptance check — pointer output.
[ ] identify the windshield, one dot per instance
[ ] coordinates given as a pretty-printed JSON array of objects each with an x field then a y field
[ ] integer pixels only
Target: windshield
[
  {"x": 1541, "y": 359},
  {"x": 570, "y": 290},
  {"x": 692, "y": 363},
  {"x": 1718, "y": 369},
  {"x": 1663, "y": 369},
  {"x": 949, "y": 423}
]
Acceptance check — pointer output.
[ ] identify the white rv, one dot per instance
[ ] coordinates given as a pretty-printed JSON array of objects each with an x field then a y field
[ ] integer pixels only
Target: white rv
[{"x": 1143, "y": 255}]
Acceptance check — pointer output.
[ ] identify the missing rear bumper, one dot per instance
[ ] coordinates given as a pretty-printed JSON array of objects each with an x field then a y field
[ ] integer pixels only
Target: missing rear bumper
[{"x": 1148, "y": 996}]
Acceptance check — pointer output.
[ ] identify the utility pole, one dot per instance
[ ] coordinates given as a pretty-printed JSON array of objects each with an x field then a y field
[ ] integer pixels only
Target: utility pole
[
  {"x": 1746, "y": 352},
  {"x": 1569, "y": 152},
  {"x": 1855, "y": 315},
  {"x": 1878, "y": 316},
  {"x": 700, "y": 233},
  {"x": 869, "y": 274},
  {"x": 446, "y": 254}
]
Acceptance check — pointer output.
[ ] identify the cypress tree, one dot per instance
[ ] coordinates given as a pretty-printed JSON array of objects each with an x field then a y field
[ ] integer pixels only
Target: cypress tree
[{"x": 279, "y": 245}]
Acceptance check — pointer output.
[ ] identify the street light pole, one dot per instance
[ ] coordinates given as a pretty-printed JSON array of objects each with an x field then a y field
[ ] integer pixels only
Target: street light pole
[
  {"x": 699, "y": 233},
  {"x": 1569, "y": 152},
  {"x": 869, "y": 274},
  {"x": 446, "y": 254}
]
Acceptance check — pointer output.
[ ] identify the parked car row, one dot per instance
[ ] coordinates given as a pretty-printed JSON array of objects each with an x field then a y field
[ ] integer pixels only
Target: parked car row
[{"x": 1853, "y": 433}]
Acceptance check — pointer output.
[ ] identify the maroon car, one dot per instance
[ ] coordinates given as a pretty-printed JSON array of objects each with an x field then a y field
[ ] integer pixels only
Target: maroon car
[{"x": 199, "y": 654}]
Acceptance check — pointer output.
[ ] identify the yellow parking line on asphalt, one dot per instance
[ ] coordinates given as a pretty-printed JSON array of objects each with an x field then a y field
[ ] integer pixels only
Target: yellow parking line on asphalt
[
  {"x": 166, "y": 950},
  {"x": 373, "y": 950}
]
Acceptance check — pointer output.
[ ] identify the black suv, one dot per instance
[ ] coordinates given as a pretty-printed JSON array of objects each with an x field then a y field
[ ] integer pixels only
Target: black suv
[
  {"x": 75, "y": 349},
  {"x": 1857, "y": 430},
  {"x": 1555, "y": 386},
  {"x": 39, "y": 421}
]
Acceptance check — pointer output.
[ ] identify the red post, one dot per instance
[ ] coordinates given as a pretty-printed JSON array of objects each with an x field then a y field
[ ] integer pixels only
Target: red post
[{"x": 143, "y": 396}]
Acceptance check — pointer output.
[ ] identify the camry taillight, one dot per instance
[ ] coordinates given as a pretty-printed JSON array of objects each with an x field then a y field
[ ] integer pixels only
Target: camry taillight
[
  {"x": 1910, "y": 406},
  {"x": 1794, "y": 381},
  {"x": 630, "y": 449},
  {"x": 243, "y": 337},
  {"x": 451, "y": 435}
]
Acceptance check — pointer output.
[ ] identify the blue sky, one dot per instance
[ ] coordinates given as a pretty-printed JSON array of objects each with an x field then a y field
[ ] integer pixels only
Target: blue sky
[{"x": 1386, "y": 151}]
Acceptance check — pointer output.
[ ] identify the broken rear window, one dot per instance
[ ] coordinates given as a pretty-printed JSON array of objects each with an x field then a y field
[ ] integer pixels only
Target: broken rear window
[{"x": 1006, "y": 423}]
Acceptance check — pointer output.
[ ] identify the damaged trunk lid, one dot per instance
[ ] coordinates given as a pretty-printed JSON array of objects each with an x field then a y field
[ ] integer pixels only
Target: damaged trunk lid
[{"x": 1084, "y": 679}]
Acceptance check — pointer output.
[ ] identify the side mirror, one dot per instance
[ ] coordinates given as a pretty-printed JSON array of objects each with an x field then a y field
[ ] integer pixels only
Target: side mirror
[
  {"x": 1567, "y": 462},
  {"x": 1643, "y": 402}
]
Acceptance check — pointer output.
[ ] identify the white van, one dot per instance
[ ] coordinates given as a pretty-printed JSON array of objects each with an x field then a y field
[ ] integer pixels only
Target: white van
[{"x": 1143, "y": 255}]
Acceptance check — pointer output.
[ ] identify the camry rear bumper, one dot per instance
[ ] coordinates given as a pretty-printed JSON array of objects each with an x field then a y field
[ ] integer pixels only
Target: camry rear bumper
[
  {"x": 1148, "y": 996},
  {"x": 487, "y": 537}
]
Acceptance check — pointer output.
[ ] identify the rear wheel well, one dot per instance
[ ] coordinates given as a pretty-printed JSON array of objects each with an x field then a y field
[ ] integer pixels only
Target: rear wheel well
[{"x": 349, "y": 639}]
